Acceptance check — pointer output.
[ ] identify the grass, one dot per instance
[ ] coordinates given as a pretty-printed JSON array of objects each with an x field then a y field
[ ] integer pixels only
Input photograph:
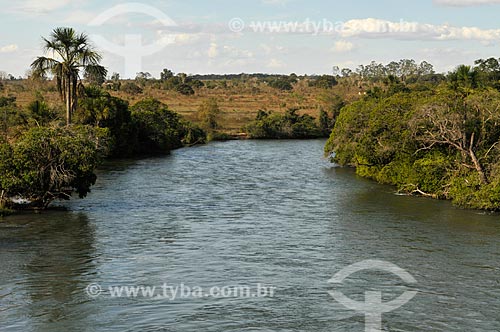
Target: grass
[{"x": 239, "y": 102}]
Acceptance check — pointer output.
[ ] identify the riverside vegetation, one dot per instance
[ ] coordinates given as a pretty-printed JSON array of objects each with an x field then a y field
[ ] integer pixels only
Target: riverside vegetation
[
  {"x": 429, "y": 134},
  {"x": 436, "y": 136},
  {"x": 43, "y": 158},
  {"x": 51, "y": 146}
]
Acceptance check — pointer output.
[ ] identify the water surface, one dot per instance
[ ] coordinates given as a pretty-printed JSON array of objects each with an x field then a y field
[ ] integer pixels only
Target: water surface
[{"x": 243, "y": 213}]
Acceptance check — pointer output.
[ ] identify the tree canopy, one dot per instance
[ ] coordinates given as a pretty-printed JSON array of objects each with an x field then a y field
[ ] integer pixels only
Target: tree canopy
[{"x": 72, "y": 56}]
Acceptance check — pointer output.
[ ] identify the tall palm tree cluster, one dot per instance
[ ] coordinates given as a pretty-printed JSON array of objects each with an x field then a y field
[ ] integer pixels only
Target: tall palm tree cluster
[{"x": 68, "y": 56}]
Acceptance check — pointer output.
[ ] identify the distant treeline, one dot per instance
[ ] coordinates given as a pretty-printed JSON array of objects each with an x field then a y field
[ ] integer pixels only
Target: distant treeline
[{"x": 244, "y": 76}]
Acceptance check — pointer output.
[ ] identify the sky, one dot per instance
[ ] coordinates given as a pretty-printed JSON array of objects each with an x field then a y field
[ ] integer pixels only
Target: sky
[{"x": 264, "y": 36}]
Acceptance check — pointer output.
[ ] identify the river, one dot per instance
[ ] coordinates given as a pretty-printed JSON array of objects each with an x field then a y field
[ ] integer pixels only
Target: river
[{"x": 271, "y": 214}]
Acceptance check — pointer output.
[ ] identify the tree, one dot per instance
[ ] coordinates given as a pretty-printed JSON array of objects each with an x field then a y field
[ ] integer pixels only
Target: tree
[
  {"x": 183, "y": 77},
  {"x": 464, "y": 79},
  {"x": 283, "y": 83},
  {"x": 40, "y": 111},
  {"x": 95, "y": 78},
  {"x": 143, "y": 77},
  {"x": 488, "y": 71},
  {"x": 324, "y": 82},
  {"x": 115, "y": 77},
  {"x": 346, "y": 72},
  {"x": 158, "y": 128},
  {"x": 185, "y": 89},
  {"x": 99, "y": 109},
  {"x": 72, "y": 54},
  {"x": 166, "y": 74},
  {"x": 408, "y": 68},
  {"x": 324, "y": 123},
  {"x": 490, "y": 65},
  {"x": 288, "y": 125},
  {"x": 131, "y": 88},
  {"x": 468, "y": 126},
  {"x": 50, "y": 163},
  {"x": 336, "y": 71},
  {"x": 208, "y": 114},
  {"x": 425, "y": 68}
]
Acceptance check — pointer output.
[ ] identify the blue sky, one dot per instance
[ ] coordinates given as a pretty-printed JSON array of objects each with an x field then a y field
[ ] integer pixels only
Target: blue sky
[{"x": 305, "y": 37}]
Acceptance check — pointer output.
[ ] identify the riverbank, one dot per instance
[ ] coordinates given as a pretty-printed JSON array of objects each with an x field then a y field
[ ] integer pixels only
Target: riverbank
[{"x": 438, "y": 143}]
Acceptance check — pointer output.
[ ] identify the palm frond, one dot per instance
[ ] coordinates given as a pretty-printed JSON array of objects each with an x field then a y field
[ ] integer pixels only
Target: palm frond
[
  {"x": 89, "y": 57},
  {"x": 43, "y": 65},
  {"x": 96, "y": 71}
]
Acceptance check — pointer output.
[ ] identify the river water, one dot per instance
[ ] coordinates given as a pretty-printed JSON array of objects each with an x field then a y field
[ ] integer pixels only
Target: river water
[{"x": 255, "y": 214}]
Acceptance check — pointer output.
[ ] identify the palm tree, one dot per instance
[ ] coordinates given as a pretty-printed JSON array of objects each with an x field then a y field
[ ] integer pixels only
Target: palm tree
[
  {"x": 71, "y": 54},
  {"x": 464, "y": 79}
]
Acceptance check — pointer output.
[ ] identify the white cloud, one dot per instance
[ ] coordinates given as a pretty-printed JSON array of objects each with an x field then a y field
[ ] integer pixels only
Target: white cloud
[
  {"x": 275, "y": 64},
  {"x": 275, "y": 2},
  {"x": 272, "y": 49},
  {"x": 448, "y": 58},
  {"x": 9, "y": 48},
  {"x": 343, "y": 46},
  {"x": 42, "y": 7},
  {"x": 213, "y": 50},
  {"x": 465, "y": 3},
  {"x": 168, "y": 38},
  {"x": 377, "y": 28},
  {"x": 234, "y": 52},
  {"x": 79, "y": 17}
]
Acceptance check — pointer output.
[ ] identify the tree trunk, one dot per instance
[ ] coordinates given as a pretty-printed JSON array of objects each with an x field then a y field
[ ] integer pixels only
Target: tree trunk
[
  {"x": 477, "y": 164},
  {"x": 69, "y": 104},
  {"x": 2, "y": 205},
  {"x": 479, "y": 168}
]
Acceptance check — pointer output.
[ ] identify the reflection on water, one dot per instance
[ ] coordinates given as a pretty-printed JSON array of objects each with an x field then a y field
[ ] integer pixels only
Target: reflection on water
[
  {"x": 44, "y": 261},
  {"x": 240, "y": 213}
]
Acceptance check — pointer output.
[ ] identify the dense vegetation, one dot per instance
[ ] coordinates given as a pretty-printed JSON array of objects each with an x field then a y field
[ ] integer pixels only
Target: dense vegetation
[
  {"x": 433, "y": 138},
  {"x": 429, "y": 134},
  {"x": 49, "y": 153},
  {"x": 41, "y": 159},
  {"x": 281, "y": 126},
  {"x": 47, "y": 163}
]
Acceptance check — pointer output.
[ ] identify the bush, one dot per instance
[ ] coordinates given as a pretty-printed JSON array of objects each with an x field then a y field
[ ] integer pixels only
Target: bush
[
  {"x": 159, "y": 130},
  {"x": 185, "y": 89},
  {"x": 324, "y": 82},
  {"x": 98, "y": 108},
  {"x": 131, "y": 88},
  {"x": 41, "y": 112},
  {"x": 192, "y": 134},
  {"x": 218, "y": 136},
  {"x": 283, "y": 83},
  {"x": 51, "y": 163},
  {"x": 288, "y": 125},
  {"x": 208, "y": 114}
]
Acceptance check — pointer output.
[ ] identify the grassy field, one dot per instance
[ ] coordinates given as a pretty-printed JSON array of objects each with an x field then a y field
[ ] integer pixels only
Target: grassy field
[{"x": 239, "y": 102}]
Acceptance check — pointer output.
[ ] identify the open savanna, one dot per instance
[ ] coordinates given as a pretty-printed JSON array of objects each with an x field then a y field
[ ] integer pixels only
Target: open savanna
[{"x": 239, "y": 101}]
